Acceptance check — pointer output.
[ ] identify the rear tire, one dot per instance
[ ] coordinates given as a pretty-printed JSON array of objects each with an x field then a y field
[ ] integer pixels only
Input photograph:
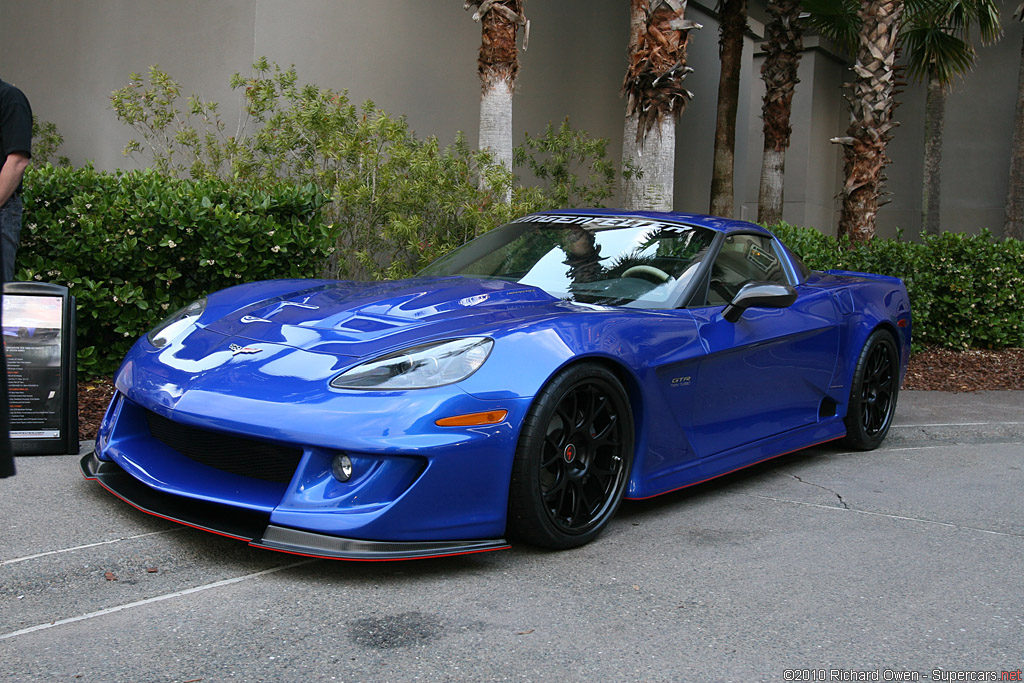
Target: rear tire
[
  {"x": 573, "y": 460},
  {"x": 873, "y": 392}
]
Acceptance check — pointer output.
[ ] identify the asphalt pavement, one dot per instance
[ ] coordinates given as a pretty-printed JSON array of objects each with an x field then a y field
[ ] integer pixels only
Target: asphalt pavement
[{"x": 821, "y": 565}]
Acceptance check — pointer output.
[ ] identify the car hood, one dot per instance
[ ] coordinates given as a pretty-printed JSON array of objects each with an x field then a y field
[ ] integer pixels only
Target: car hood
[{"x": 356, "y": 318}]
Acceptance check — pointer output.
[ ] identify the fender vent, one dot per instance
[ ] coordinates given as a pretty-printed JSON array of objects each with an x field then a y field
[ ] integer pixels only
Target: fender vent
[
  {"x": 227, "y": 452},
  {"x": 827, "y": 408}
]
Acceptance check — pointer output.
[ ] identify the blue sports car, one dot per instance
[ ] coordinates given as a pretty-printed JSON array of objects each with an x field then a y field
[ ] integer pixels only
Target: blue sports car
[{"x": 519, "y": 387}]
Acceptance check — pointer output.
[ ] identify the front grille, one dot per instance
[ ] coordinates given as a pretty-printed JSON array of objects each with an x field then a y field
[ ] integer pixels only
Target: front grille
[{"x": 227, "y": 452}]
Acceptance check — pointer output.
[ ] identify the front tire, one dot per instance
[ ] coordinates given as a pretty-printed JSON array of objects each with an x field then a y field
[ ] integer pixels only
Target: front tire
[
  {"x": 573, "y": 460},
  {"x": 873, "y": 393}
]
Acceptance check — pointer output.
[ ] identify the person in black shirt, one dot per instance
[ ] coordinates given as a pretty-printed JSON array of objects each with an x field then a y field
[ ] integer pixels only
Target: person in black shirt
[{"x": 15, "y": 152}]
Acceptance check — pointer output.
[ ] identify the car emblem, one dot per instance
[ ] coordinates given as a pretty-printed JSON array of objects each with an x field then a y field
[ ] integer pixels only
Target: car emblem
[
  {"x": 569, "y": 454},
  {"x": 253, "y": 319},
  {"x": 236, "y": 349}
]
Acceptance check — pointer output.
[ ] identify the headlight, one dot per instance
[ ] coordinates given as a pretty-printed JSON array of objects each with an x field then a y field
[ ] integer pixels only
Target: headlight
[
  {"x": 176, "y": 323},
  {"x": 429, "y": 365}
]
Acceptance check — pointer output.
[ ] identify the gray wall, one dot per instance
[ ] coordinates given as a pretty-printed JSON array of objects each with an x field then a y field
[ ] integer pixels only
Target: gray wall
[
  {"x": 418, "y": 57},
  {"x": 409, "y": 56},
  {"x": 976, "y": 146}
]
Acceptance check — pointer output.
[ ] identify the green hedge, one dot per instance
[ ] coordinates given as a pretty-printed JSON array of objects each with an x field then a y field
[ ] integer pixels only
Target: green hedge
[
  {"x": 135, "y": 246},
  {"x": 966, "y": 291}
]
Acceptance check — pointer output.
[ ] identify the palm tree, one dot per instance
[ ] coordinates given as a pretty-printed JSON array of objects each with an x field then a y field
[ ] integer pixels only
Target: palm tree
[
  {"x": 936, "y": 38},
  {"x": 785, "y": 43},
  {"x": 1014, "y": 224},
  {"x": 498, "y": 65},
  {"x": 732, "y": 16},
  {"x": 873, "y": 27},
  {"x": 655, "y": 98},
  {"x": 935, "y": 35}
]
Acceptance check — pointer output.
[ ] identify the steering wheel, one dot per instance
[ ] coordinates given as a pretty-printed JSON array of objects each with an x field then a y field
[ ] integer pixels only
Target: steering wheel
[{"x": 648, "y": 272}]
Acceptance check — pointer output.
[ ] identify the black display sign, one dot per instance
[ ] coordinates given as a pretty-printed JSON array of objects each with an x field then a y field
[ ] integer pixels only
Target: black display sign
[{"x": 39, "y": 343}]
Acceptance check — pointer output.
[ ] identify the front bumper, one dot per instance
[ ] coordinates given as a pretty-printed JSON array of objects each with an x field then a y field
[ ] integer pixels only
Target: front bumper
[{"x": 254, "y": 527}]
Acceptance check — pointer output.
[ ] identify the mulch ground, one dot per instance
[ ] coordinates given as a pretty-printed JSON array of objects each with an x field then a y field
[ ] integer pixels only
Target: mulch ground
[
  {"x": 935, "y": 370},
  {"x": 945, "y": 370},
  {"x": 93, "y": 398}
]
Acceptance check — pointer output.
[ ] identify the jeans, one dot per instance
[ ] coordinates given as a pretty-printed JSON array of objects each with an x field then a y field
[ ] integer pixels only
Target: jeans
[{"x": 10, "y": 234}]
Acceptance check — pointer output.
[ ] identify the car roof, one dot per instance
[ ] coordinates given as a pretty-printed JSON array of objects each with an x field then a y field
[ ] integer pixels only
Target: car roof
[{"x": 716, "y": 223}]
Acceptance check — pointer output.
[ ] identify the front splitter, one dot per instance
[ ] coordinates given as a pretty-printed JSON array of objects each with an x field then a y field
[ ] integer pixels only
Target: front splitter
[{"x": 254, "y": 527}]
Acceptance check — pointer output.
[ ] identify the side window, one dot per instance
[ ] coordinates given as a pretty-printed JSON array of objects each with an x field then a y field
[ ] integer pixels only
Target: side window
[{"x": 742, "y": 259}]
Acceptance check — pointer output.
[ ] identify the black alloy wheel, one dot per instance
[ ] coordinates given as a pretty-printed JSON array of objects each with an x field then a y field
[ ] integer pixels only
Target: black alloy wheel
[
  {"x": 874, "y": 392},
  {"x": 573, "y": 460}
]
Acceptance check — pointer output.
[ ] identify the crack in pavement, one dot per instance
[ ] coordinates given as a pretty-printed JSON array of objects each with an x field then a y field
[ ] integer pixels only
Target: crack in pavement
[
  {"x": 960, "y": 434},
  {"x": 904, "y": 518},
  {"x": 823, "y": 488}
]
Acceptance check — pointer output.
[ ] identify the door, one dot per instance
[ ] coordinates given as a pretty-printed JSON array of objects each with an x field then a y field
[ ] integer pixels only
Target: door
[{"x": 768, "y": 372}]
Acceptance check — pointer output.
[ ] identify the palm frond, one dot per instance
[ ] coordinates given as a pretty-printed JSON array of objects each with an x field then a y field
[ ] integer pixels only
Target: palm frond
[
  {"x": 936, "y": 36},
  {"x": 960, "y": 16},
  {"x": 933, "y": 52},
  {"x": 837, "y": 20},
  {"x": 990, "y": 22}
]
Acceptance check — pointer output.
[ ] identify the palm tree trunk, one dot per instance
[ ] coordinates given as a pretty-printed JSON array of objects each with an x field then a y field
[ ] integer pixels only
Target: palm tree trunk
[
  {"x": 655, "y": 98},
  {"x": 1014, "y": 224},
  {"x": 655, "y": 158},
  {"x": 733, "y": 17},
  {"x": 934, "y": 114},
  {"x": 770, "y": 192},
  {"x": 498, "y": 66},
  {"x": 779, "y": 72},
  {"x": 872, "y": 103},
  {"x": 496, "y": 120}
]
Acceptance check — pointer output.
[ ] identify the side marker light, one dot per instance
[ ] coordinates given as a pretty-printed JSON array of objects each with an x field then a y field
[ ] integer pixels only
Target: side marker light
[{"x": 488, "y": 417}]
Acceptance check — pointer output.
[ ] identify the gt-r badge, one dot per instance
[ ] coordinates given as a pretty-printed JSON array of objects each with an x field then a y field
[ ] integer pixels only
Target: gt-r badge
[{"x": 236, "y": 349}]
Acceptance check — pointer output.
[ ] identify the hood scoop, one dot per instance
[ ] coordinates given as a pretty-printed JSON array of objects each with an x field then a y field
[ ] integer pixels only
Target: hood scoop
[{"x": 361, "y": 312}]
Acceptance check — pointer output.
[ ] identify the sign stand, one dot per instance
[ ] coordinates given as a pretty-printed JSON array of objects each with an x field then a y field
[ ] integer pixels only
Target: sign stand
[{"x": 39, "y": 342}]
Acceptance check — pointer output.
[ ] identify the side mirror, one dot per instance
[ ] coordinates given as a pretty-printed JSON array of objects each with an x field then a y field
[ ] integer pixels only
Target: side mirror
[{"x": 760, "y": 295}]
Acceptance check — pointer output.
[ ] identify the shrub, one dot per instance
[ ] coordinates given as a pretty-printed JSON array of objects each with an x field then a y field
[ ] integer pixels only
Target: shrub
[
  {"x": 46, "y": 141},
  {"x": 398, "y": 201},
  {"x": 133, "y": 247},
  {"x": 559, "y": 158},
  {"x": 965, "y": 290}
]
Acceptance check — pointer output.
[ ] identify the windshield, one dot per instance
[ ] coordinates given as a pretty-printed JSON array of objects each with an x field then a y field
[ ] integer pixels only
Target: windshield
[{"x": 589, "y": 259}]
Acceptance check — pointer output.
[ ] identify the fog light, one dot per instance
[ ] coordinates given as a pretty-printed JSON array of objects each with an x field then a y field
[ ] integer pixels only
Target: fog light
[{"x": 341, "y": 468}]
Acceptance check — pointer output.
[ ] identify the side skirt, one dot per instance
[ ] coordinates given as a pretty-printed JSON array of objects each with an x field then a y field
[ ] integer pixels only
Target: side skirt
[{"x": 718, "y": 465}]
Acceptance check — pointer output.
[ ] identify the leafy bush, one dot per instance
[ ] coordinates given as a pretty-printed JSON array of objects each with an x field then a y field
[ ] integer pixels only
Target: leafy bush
[
  {"x": 558, "y": 158},
  {"x": 965, "y": 290},
  {"x": 46, "y": 140},
  {"x": 133, "y": 247},
  {"x": 398, "y": 202}
]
